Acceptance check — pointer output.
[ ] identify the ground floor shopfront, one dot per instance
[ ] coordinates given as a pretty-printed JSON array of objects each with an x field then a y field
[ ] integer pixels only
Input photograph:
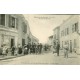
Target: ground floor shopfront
[{"x": 9, "y": 38}]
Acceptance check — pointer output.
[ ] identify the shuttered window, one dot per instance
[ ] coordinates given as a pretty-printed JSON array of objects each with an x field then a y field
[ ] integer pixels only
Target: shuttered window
[{"x": 2, "y": 19}]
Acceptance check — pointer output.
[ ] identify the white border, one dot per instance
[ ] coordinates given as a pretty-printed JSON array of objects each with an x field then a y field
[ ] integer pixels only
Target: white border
[{"x": 39, "y": 72}]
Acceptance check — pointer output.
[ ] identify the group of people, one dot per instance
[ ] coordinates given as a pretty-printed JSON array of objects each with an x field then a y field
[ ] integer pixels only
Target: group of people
[
  {"x": 4, "y": 50},
  {"x": 65, "y": 49},
  {"x": 33, "y": 48},
  {"x": 26, "y": 49}
]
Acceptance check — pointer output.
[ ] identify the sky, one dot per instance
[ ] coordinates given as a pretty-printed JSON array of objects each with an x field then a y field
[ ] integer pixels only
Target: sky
[{"x": 42, "y": 25}]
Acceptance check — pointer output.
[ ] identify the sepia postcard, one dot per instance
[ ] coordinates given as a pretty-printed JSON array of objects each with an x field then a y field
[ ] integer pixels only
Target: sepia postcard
[{"x": 50, "y": 39}]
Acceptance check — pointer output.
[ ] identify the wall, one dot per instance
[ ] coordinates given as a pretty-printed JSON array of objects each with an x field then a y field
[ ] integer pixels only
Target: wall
[{"x": 71, "y": 36}]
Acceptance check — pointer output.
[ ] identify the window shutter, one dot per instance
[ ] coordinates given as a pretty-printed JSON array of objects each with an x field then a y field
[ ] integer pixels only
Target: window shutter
[{"x": 9, "y": 21}]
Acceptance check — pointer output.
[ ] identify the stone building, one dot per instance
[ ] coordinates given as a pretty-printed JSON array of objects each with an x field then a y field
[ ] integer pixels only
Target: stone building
[
  {"x": 50, "y": 40},
  {"x": 8, "y": 30},
  {"x": 70, "y": 33},
  {"x": 35, "y": 40},
  {"x": 14, "y": 30},
  {"x": 23, "y": 30}
]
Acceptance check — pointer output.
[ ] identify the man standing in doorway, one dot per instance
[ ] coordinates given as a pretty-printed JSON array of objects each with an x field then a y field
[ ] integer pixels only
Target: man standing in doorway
[{"x": 57, "y": 48}]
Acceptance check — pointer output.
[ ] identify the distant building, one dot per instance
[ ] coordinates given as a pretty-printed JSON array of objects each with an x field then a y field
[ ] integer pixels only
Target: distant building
[
  {"x": 50, "y": 40},
  {"x": 35, "y": 40},
  {"x": 70, "y": 33}
]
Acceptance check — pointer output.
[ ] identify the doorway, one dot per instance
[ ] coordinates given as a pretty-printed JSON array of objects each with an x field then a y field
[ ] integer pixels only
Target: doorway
[
  {"x": 23, "y": 42},
  {"x": 12, "y": 42}
]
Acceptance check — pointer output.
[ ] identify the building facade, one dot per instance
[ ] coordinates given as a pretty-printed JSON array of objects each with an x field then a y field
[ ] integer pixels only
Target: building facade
[
  {"x": 34, "y": 40},
  {"x": 56, "y": 35},
  {"x": 23, "y": 30},
  {"x": 50, "y": 40},
  {"x": 14, "y": 30},
  {"x": 8, "y": 30},
  {"x": 70, "y": 33}
]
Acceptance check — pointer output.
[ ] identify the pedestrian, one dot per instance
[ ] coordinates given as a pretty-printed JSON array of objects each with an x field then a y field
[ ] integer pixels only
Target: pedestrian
[
  {"x": 54, "y": 49},
  {"x": 57, "y": 48},
  {"x": 1, "y": 50},
  {"x": 33, "y": 46},
  {"x": 13, "y": 49},
  {"x": 66, "y": 51},
  {"x": 4, "y": 51},
  {"x": 31, "y": 50},
  {"x": 19, "y": 50},
  {"x": 40, "y": 48},
  {"x": 25, "y": 50},
  {"x": 36, "y": 49},
  {"x": 16, "y": 51},
  {"x": 28, "y": 47}
]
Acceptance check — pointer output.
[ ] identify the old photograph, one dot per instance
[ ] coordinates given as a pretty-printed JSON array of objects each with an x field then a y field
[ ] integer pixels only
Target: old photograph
[{"x": 49, "y": 39}]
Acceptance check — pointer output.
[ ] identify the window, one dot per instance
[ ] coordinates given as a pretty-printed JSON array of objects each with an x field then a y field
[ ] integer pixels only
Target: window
[
  {"x": 67, "y": 31},
  {"x": 75, "y": 27},
  {"x": 62, "y": 33},
  {"x": 12, "y": 22},
  {"x": 24, "y": 27},
  {"x": 2, "y": 19}
]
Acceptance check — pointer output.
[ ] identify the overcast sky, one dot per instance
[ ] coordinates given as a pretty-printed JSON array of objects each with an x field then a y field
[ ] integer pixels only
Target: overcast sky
[{"x": 42, "y": 25}]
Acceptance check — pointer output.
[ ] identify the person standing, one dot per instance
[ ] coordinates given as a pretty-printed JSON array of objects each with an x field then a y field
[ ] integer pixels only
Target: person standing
[
  {"x": 28, "y": 48},
  {"x": 13, "y": 49},
  {"x": 66, "y": 51},
  {"x": 36, "y": 49},
  {"x": 40, "y": 48},
  {"x": 31, "y": 49},
  {"x": 34, "y": 46},
  {"x": 4, "y": 51},
  {"x": 16, "y": 51},
  {"x": 19, "y": 50},
  {"x": 1, "y": 50},
  {"x": 25, "y": 51},
  {"x": 57, "y": 48}
]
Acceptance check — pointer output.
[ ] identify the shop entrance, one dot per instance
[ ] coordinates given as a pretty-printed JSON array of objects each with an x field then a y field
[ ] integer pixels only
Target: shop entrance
[
  {"x": 23, "y": 42},
  {"x": 12, "y": 42}
]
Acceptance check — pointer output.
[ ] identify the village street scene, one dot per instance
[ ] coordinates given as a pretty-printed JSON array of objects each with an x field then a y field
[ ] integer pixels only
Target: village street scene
[{"x": 46, "y": 39}]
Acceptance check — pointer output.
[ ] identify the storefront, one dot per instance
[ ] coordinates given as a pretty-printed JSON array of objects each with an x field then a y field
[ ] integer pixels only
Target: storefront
[{"x": 8, "y": 38}]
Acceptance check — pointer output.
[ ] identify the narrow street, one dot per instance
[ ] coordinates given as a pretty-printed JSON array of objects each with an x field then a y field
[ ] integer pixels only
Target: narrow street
[{"x": 45, "y": 58}]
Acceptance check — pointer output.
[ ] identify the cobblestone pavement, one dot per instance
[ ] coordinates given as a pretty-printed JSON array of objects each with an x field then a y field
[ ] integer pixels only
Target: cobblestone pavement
[{"x": 46, "y": 58}]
